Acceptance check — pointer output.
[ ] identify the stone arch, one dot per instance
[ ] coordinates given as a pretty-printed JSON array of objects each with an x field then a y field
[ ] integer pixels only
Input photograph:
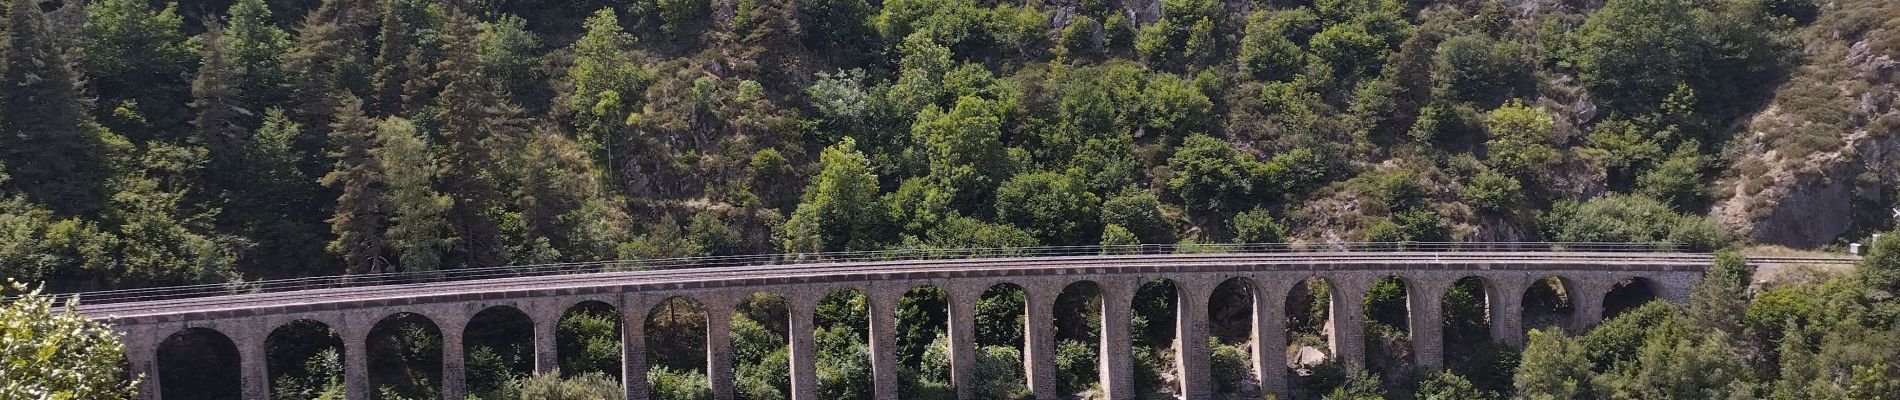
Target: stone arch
[
  {"x": 1309, "y": 305},
  {"x": 497, "y": 346},
  {"x": 1630, "y": 293},
  {"x": 923, "y": 339},
  {"x": 587, "y": 339},
  {"x": 199, "y": 363},
  {"x": 1077, "y": 318},
  {"x": 841, "y": 328},
  {"x": 405, "y": 353},
  {"x": 1549, "y": 302},
  {"x": 305, "y": 353},
  {"x": 761, "y": 350},
  {"x": 1231, "y": 307},
  {"x": 1153, "y": 328}
]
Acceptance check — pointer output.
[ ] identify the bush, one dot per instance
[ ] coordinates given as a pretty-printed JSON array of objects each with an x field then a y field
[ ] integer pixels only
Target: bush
[
  {"x": 1076, "y": 366},
  {"x": 1494, "y": 192},
  {"x": 1257, "y": 226},
  {"x": 1232, "y": 365},
  {"x": 1446, "y": 385},
  {"x": 999, "y": 374},
  {"x": 668, "y": 384},
  {"x": 588, "y": 386},
  {"x": 1139, "y": 211}
]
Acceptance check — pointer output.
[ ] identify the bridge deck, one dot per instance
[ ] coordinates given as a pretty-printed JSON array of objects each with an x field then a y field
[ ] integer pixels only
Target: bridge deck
[{"x": 239, "y": 305}]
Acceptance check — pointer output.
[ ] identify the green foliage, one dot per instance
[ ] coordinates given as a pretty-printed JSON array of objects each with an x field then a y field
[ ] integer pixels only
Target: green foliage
[
  {"x": 1447, "y": 385},
  {"x": 57, "y": 354},
  {"x": 53, "y": 149},
  {"x": 1493, "y": 192},
  {"x": 1140, "y": 213},
  {"x": 1258, "y": 226},
  {"x": 837, "y": 210},
  {"x": 1231, "y": 365},
  {"x": 1473, "y": 67},
  {"x": 1076, "y": 362},
  {"x": 551, "y": 386},
  {"x": 1627, "y": 218},
  {"x": 138, "y": 57},
  {"x": 1054, "y": 207},
  {"x": 1266, "y": 52},
  {"x": 591, "y": 341},
  {"x": 1881, "y": 268},
  {"x": 1521, "y": 142},
  {"x": 999, "y": 374},
  {"x": 1720, "y": 299},
  {"x": 1554, "y": 367},
  {"x": 668, "y": 384},
  {"x": 418, "y": 230},
  {"x": 1636, "y": 52},
  {"x": 1211, "y": 177},
  {"x": 1610, "y": 342}
]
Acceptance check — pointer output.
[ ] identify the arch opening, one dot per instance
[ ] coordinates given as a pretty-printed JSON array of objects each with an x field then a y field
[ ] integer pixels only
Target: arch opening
[
  {"x": 1388, "y": 328},
  {"x": 1309, "y": 346},
  {"x": 841, "y": 338},
  {"x": 1152, "y": 329},
  {"x": 1000, "y": 321},
  {"x": 761, "y": 352},
  {"x": 587, "y": 340},
  {"x": 1078, "y": 338},
  {"x": 304, "y": 359},
  {"x": 497, "y": 351},
  {"x": 676, "y": 349},
  {"x": 1548, "y": 303},
  {"x": 1230, "y": 316},
  {"x": 198, "y": 363},
  {"x": 1628, "y": 294},
  {"x": 405, "y": 357},
  {"x": 923, "y": 343},
  {"x": 1470, "y": 349}
]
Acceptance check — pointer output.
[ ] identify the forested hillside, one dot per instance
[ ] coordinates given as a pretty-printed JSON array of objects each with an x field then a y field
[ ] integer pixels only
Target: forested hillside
[{"x": 154, "y": 143}]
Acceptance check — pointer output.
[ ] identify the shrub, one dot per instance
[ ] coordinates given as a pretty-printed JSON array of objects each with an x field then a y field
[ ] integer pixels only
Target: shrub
[
  {"x": 1257, "y": 226},
  {"x": 588, "y": 386}
]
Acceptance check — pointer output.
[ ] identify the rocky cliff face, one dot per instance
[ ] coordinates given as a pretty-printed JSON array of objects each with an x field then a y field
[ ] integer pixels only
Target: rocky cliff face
[{"x": 1820, "y": 160}]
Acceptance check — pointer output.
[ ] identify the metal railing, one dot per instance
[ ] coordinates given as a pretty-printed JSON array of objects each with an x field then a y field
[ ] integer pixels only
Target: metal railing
[{"x": 510, "y": 271}]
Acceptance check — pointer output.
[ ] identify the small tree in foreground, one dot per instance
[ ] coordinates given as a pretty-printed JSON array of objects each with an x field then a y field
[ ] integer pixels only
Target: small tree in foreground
[{"x": 63, "y": 355}]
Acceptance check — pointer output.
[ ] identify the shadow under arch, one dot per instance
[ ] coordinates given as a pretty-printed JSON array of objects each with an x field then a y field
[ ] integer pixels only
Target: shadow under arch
[
  {"x": 1388, "y": 325},
  {"x": 198, "y": 363},
  {"x": 405, "y": 355},
  {"x": 1153, "y": 329},
  {"x": 304, "y": 359},
  {"x": 587, "y": 339},
  {"x": 1077, "y": 317},
  {"x": 1548, "y": 302},
  {"x": 1233, "y": 351},
  {"x": 1628, "y": 294}
]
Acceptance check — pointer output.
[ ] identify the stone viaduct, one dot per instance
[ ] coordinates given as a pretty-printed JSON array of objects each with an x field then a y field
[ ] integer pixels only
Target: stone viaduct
[{"x": 247, "y": 320}]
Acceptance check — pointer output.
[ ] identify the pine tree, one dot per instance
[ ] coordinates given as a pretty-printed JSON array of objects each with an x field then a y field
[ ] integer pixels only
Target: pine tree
[
  {"x": 418, "y": 226},
  {"x": 393, "y": 58},
  {"x": 138, "y": 60},
  {"x": 1719, "y": 300},
  {"x": 327, "y": 47},
  {"x": 473, "y": 120},
  {"x": 276, "y": 206},
  {"x": 50, "y": 143},
  {"x": 362, "y": 207},
  {"x": 258, "y": 47},
  {"x": 216, "y": 98},
  {"x": 556, "y": 179}
]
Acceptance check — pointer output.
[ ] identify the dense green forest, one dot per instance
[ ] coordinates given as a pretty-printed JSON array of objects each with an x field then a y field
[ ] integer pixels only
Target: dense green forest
[{"x": 150, "y": 143}]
